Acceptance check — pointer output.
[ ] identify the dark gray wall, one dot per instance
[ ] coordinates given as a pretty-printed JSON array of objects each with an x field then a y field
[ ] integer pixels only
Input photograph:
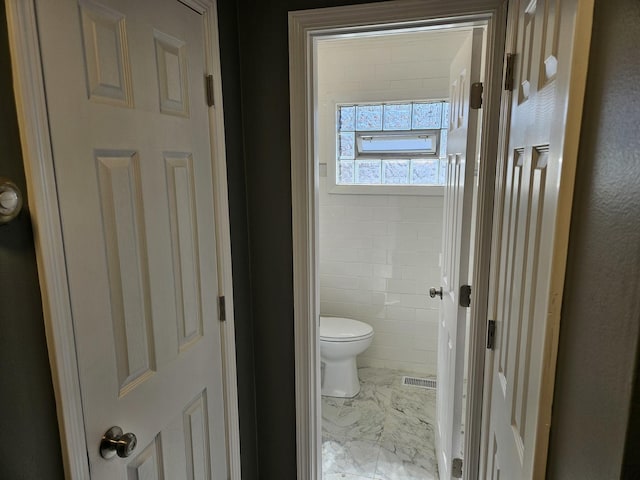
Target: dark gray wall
[
  {"x": 31, "y": 446},
  {"x": 601, "y": 308},
  {"x": 229, "y": 59}
]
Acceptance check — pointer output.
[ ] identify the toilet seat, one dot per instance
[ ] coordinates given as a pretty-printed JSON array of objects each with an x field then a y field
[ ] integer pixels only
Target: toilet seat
[{"x": 339, "y": 329}]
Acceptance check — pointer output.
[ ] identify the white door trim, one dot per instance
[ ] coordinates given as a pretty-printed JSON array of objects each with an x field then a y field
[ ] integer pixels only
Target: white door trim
[
  {"x": 304, "y": 26},
  {"x": 43, "y": 202}
]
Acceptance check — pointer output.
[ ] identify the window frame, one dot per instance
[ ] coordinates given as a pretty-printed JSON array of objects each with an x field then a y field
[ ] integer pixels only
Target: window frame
[
  {"x": 331, "y": 130},
  {"x": 361, "y": 135}
]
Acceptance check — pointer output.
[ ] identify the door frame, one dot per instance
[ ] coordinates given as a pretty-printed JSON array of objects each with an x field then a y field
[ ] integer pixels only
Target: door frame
[
  {"x": 35, "y": 139},
  {"x": 304, "y": 27}
]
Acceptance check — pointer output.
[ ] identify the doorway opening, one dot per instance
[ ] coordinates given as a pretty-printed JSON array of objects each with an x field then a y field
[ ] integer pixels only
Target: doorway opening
[
  {"x": 352, "y": 166},
  {"x": 386, "y": 104}
]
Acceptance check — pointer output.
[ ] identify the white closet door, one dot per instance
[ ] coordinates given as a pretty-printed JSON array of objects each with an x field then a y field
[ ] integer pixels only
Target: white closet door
[
  {"x": 125, "y": 84},
  {"x": 532, "y": 212}
]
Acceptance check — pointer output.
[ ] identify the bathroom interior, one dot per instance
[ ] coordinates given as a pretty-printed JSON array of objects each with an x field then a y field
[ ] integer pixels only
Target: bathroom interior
[{"x": 380, "y": 247}]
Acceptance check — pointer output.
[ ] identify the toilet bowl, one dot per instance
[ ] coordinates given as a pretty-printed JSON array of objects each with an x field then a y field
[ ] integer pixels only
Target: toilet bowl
[{"x": 341, "y": 340}]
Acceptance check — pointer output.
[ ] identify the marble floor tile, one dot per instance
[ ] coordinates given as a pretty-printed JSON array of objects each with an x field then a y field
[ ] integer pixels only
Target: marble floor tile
[
  {"x": 397, "y": 466},
  {"x": 330, "y": 412},
  {"x": 408, "y": 442},
  {"x": 351, "y": 457},
  {"x": 333, "y": 401},
  {"x": 386, "y": 432},
  {"x": 372, "y": 394},
  {"x": 401, "y": 431},
  {"x": 362, "y": 420},
  {"x": 415, "y": 402},
  {"x": 343, "y": 476}
]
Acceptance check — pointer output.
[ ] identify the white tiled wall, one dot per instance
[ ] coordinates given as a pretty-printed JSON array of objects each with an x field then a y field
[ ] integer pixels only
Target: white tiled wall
[
  {"x": 378, "y": 258},
  {"x": 402, "y": 67},
  {"x": 379, "y": 253}
]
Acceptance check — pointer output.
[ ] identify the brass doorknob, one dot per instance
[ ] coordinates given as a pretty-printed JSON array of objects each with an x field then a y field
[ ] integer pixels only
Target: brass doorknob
[
  {"x": 433, "y": 292},
  {"x": 114, "y": 442}
]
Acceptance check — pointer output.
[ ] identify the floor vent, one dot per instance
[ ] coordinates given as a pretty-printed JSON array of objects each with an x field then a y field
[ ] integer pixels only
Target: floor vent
[{"x": 419, "y": 382}]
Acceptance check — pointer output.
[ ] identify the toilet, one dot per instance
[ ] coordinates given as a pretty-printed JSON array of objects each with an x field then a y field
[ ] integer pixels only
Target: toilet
[{"x": 341, "y": 340}]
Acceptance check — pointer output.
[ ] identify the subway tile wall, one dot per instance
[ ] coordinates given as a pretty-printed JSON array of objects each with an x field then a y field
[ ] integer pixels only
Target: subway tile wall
[{"x": 379, "y": 254}]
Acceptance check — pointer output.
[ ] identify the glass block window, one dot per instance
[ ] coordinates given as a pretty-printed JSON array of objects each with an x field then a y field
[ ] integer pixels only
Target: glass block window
[
  {"x": 368, "y": 118},
  {"x": 368, "y": 172},
  {"x": 347, "y": 119},
  {"x": 445, "y": 116},
  {"x": 396, "y": 172},
  {"x": 397, "y": 117},
  {"x": 392, "y": 143},
  {"x": 425, "y": 172},
  {"x": 346, "y": 173},
  {"x": 346, "y": 145},
  {"x": 427, "y": 115}
]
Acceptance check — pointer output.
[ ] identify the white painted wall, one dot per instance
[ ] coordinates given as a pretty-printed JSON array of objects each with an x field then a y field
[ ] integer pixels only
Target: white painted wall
[{"x": 379, "y": 254}]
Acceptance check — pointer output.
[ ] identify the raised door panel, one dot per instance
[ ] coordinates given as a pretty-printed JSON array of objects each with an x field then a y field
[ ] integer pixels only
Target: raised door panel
[
  {"x": 185, "y": 250},
  {"x": 171, "y": 60},
  {"x": 550, "y": 39},
  {"x": 196, "y": 426},
  {"x": 106, "y": 54},
  {"x": 526, "y": 52},
  {"x": 147, "y": 465},
  {"x": 186, "y": 442},
  {"x": 126, "y": 252},
  {"x": 523, "y": 337},
  {"x": 508, "y": 260}
]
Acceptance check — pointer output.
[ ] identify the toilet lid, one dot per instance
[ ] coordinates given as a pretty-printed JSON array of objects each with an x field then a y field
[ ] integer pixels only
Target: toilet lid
[{"x": 339, "y": 329}]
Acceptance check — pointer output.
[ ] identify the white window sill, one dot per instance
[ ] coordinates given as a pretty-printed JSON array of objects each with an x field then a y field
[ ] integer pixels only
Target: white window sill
[{"x": 431, "y": 190}]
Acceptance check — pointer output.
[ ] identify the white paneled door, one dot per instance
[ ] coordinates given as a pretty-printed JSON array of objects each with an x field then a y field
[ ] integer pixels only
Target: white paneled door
[
  {"x": 125, "y": 86},
  {"x": 540, "y": 127},
  {"x": 458, "y": 203}
]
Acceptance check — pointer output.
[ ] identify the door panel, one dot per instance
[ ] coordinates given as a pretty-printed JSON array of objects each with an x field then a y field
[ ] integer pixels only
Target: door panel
[
  {"x": 534, "y": 181},
  {"x": 126, "y": 247},
  {"x": 132, "y": 154},
  {"x": 458, "y": 203}
]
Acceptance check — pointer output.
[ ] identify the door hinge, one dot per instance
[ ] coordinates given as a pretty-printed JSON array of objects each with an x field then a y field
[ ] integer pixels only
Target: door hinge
[
  {"x": 222, "y": 309},
  {"x": 509, "y": 71},
  {"x": 456, "y": 468},
  {"x": 209, "y": 87},
  {"x": 491, "y": 334},
  {"x": 475, "y": 102},
  {"x": 465, "y": 295}
]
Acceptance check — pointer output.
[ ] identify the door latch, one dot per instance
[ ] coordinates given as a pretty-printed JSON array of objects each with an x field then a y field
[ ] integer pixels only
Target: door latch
[
  {"x": 456, "y": 468},
  {"x": 222, "y": 309},
  {"x": 465, "y": 295},
  {"x": 491, "y": 334},
  {"x": 475, "y": 101}
]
